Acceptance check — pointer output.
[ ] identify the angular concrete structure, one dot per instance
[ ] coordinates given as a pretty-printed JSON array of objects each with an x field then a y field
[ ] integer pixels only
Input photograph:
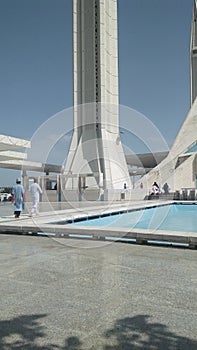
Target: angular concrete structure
[
  {"x": 96, "y": 160},
  {"x": 9, "y": 143},
  {"x": 9, "y": 147},
  {"x": 179, "y": 168}
]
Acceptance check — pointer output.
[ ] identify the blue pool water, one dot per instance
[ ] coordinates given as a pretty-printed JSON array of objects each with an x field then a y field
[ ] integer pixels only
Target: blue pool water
[{"x": 175, "y": 217}]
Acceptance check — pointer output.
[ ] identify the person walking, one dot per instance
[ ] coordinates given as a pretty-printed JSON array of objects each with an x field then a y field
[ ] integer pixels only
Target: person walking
[
  {"x": 18, "y": 198},
  {"x": 35, "y": 191}
]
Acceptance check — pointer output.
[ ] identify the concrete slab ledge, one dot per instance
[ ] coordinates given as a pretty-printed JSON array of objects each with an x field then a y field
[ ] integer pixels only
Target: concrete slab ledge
[
  {"x": 42, "y": 227},
  {"x": 140, "y": 236}
]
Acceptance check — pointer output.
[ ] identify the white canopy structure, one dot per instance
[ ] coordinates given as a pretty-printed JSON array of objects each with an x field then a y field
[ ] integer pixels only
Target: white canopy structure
[
  {"x": 8, "y": 150},
  {"x": 9, "y": 143},
  {"x": 12, "y": 157}
]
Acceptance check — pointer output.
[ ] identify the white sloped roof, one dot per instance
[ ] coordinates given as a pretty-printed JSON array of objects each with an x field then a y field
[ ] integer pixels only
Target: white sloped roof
[
  {"x": 21, "y": 164},
  {"x": 10, "y": 159},
  {"x": 9, "y": 143},
  {"x": 8, "y": 155}
]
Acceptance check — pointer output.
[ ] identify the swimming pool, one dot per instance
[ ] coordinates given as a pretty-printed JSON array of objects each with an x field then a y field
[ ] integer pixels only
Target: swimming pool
[{"x": 174, "y": 217}]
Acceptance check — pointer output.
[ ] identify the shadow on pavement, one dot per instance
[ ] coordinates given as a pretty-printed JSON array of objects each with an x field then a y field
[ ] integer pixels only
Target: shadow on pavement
[
  {"x": 27, "y": 332},
  {"x": 136, "y": 333}
]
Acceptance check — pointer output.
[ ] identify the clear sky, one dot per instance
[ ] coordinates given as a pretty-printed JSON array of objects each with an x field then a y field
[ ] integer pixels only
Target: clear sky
[{"x": 36, "y": 63}]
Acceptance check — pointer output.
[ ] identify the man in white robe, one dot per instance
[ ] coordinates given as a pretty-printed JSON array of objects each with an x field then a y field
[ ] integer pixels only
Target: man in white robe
[{"x": 35, "y": 191}]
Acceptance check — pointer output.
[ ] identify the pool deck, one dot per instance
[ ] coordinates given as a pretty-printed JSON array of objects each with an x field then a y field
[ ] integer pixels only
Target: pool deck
[
  {"x": 46, "y": 224},
  {"x": 88, "y": 294},
  {"x": 71, "y": 294}
]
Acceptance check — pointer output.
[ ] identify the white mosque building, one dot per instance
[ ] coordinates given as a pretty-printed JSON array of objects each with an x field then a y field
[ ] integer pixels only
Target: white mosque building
[
  {"x": 179, "y": 168},
  {"x": 96, "y": 155}
]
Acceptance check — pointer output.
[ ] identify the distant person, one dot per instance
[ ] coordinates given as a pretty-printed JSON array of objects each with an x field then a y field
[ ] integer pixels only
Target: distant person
[
  {"x": 155, "y": 189},
  {"x": 166, "y": 188},
  {"x": 35, "y": 191},
  {"x": 18, "y": 198}
]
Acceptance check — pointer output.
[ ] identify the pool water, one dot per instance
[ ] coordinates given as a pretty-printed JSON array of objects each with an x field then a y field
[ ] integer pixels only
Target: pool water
[{"x": 175, "y": 217}]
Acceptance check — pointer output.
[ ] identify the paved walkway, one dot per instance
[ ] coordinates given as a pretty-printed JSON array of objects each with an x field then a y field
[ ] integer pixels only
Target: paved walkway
[
  {"x": 90, "y": 295},
  {"x": 83, "y": 294}
]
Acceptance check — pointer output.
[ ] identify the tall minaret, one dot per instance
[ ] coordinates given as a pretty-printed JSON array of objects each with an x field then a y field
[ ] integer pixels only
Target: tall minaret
[
  {"x": 96, "y": 147},
  {"x": 193, "y": 54}
]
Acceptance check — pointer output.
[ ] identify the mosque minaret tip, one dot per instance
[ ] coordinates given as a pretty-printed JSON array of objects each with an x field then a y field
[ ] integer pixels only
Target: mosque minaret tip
[{"x": 96, "y": 147}]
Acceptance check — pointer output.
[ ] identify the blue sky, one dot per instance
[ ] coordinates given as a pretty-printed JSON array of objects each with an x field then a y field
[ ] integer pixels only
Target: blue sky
[{"x": 36, "y": 62}]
